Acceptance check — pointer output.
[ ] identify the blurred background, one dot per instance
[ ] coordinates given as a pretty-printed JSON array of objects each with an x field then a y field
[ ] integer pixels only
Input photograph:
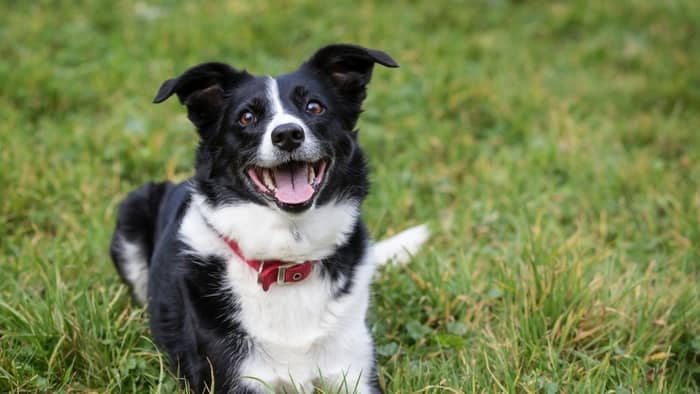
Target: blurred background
[{"x": 552, "y": 146}]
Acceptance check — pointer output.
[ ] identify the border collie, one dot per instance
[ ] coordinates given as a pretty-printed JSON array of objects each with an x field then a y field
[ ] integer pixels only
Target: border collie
[{"x": 256, "y": 271}]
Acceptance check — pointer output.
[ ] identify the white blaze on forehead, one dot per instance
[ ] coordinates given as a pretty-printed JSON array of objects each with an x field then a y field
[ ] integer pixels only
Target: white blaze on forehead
[{"x": 278, "y": 116}]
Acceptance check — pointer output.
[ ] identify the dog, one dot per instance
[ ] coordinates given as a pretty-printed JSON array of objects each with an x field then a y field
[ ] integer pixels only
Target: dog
[{"x": 256, "y": 271}]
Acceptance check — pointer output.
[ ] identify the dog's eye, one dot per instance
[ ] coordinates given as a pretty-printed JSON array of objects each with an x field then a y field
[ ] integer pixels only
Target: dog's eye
[
  {"x": 246, "y": 118},
  {"x": 314, "y": 107}
]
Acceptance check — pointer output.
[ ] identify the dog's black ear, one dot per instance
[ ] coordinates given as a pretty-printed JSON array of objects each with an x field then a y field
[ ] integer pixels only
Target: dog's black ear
[
  {"x": 349, "y": 67},
  {"x": 201, "y": 89}
]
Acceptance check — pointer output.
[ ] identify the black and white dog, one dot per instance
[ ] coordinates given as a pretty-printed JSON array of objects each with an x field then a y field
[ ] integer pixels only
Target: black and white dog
[{"x": 257, "y": 270}]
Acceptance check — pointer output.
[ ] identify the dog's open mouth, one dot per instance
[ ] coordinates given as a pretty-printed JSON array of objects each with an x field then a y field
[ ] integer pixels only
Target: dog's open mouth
[{"x": 292, "y": 183}]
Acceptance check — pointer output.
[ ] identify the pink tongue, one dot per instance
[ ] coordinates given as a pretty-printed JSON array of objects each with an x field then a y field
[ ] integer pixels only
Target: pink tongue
[{"x": 292, "y": 184}]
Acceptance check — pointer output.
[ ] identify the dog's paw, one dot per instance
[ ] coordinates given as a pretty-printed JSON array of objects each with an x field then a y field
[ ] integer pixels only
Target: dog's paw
[{"x": 400, "y": 248}]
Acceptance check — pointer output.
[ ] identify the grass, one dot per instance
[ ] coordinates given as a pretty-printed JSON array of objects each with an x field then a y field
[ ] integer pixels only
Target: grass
[{"x": 553, "y": 147}]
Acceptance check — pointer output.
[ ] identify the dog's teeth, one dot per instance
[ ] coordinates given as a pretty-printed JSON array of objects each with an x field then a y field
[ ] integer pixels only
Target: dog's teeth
[
  {"x": 311, "y": 174},
  {"x": 268, "y": 179}
]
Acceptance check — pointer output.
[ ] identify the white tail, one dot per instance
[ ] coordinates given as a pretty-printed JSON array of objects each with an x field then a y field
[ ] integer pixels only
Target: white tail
[{"x": 401, "y": 247}]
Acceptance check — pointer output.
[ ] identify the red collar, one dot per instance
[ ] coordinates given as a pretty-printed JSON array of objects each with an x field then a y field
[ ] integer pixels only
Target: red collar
[{"x": 274, "y": 271}]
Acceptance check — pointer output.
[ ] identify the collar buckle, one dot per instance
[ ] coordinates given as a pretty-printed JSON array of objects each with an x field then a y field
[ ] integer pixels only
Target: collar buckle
[
  {"x": 291, "y": 273},
  {"x": 282, "y": 274}
]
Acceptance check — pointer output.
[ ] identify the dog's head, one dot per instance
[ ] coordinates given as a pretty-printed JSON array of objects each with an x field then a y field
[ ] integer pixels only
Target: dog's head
[{"x": 287, "y": 141}]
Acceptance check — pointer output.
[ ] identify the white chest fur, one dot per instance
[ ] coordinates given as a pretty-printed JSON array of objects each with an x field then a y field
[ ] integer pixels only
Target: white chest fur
[{"x": 301, "y": 333}]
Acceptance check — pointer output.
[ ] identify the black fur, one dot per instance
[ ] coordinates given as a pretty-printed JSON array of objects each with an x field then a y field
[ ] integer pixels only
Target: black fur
[
  {"x": 192, "y": 317},
  {"x": 136, "y": 221}
]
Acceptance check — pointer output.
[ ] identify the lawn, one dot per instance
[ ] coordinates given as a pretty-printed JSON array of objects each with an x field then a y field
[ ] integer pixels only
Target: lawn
[{"x": 552, "y": 147}]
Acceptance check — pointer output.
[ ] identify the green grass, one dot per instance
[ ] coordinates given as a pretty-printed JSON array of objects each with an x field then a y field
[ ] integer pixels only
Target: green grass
[{"x": 553, "y": 147}]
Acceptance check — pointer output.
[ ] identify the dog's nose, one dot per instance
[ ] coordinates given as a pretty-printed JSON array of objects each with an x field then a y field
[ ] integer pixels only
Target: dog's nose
[{"x": 288, "y": 136}]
